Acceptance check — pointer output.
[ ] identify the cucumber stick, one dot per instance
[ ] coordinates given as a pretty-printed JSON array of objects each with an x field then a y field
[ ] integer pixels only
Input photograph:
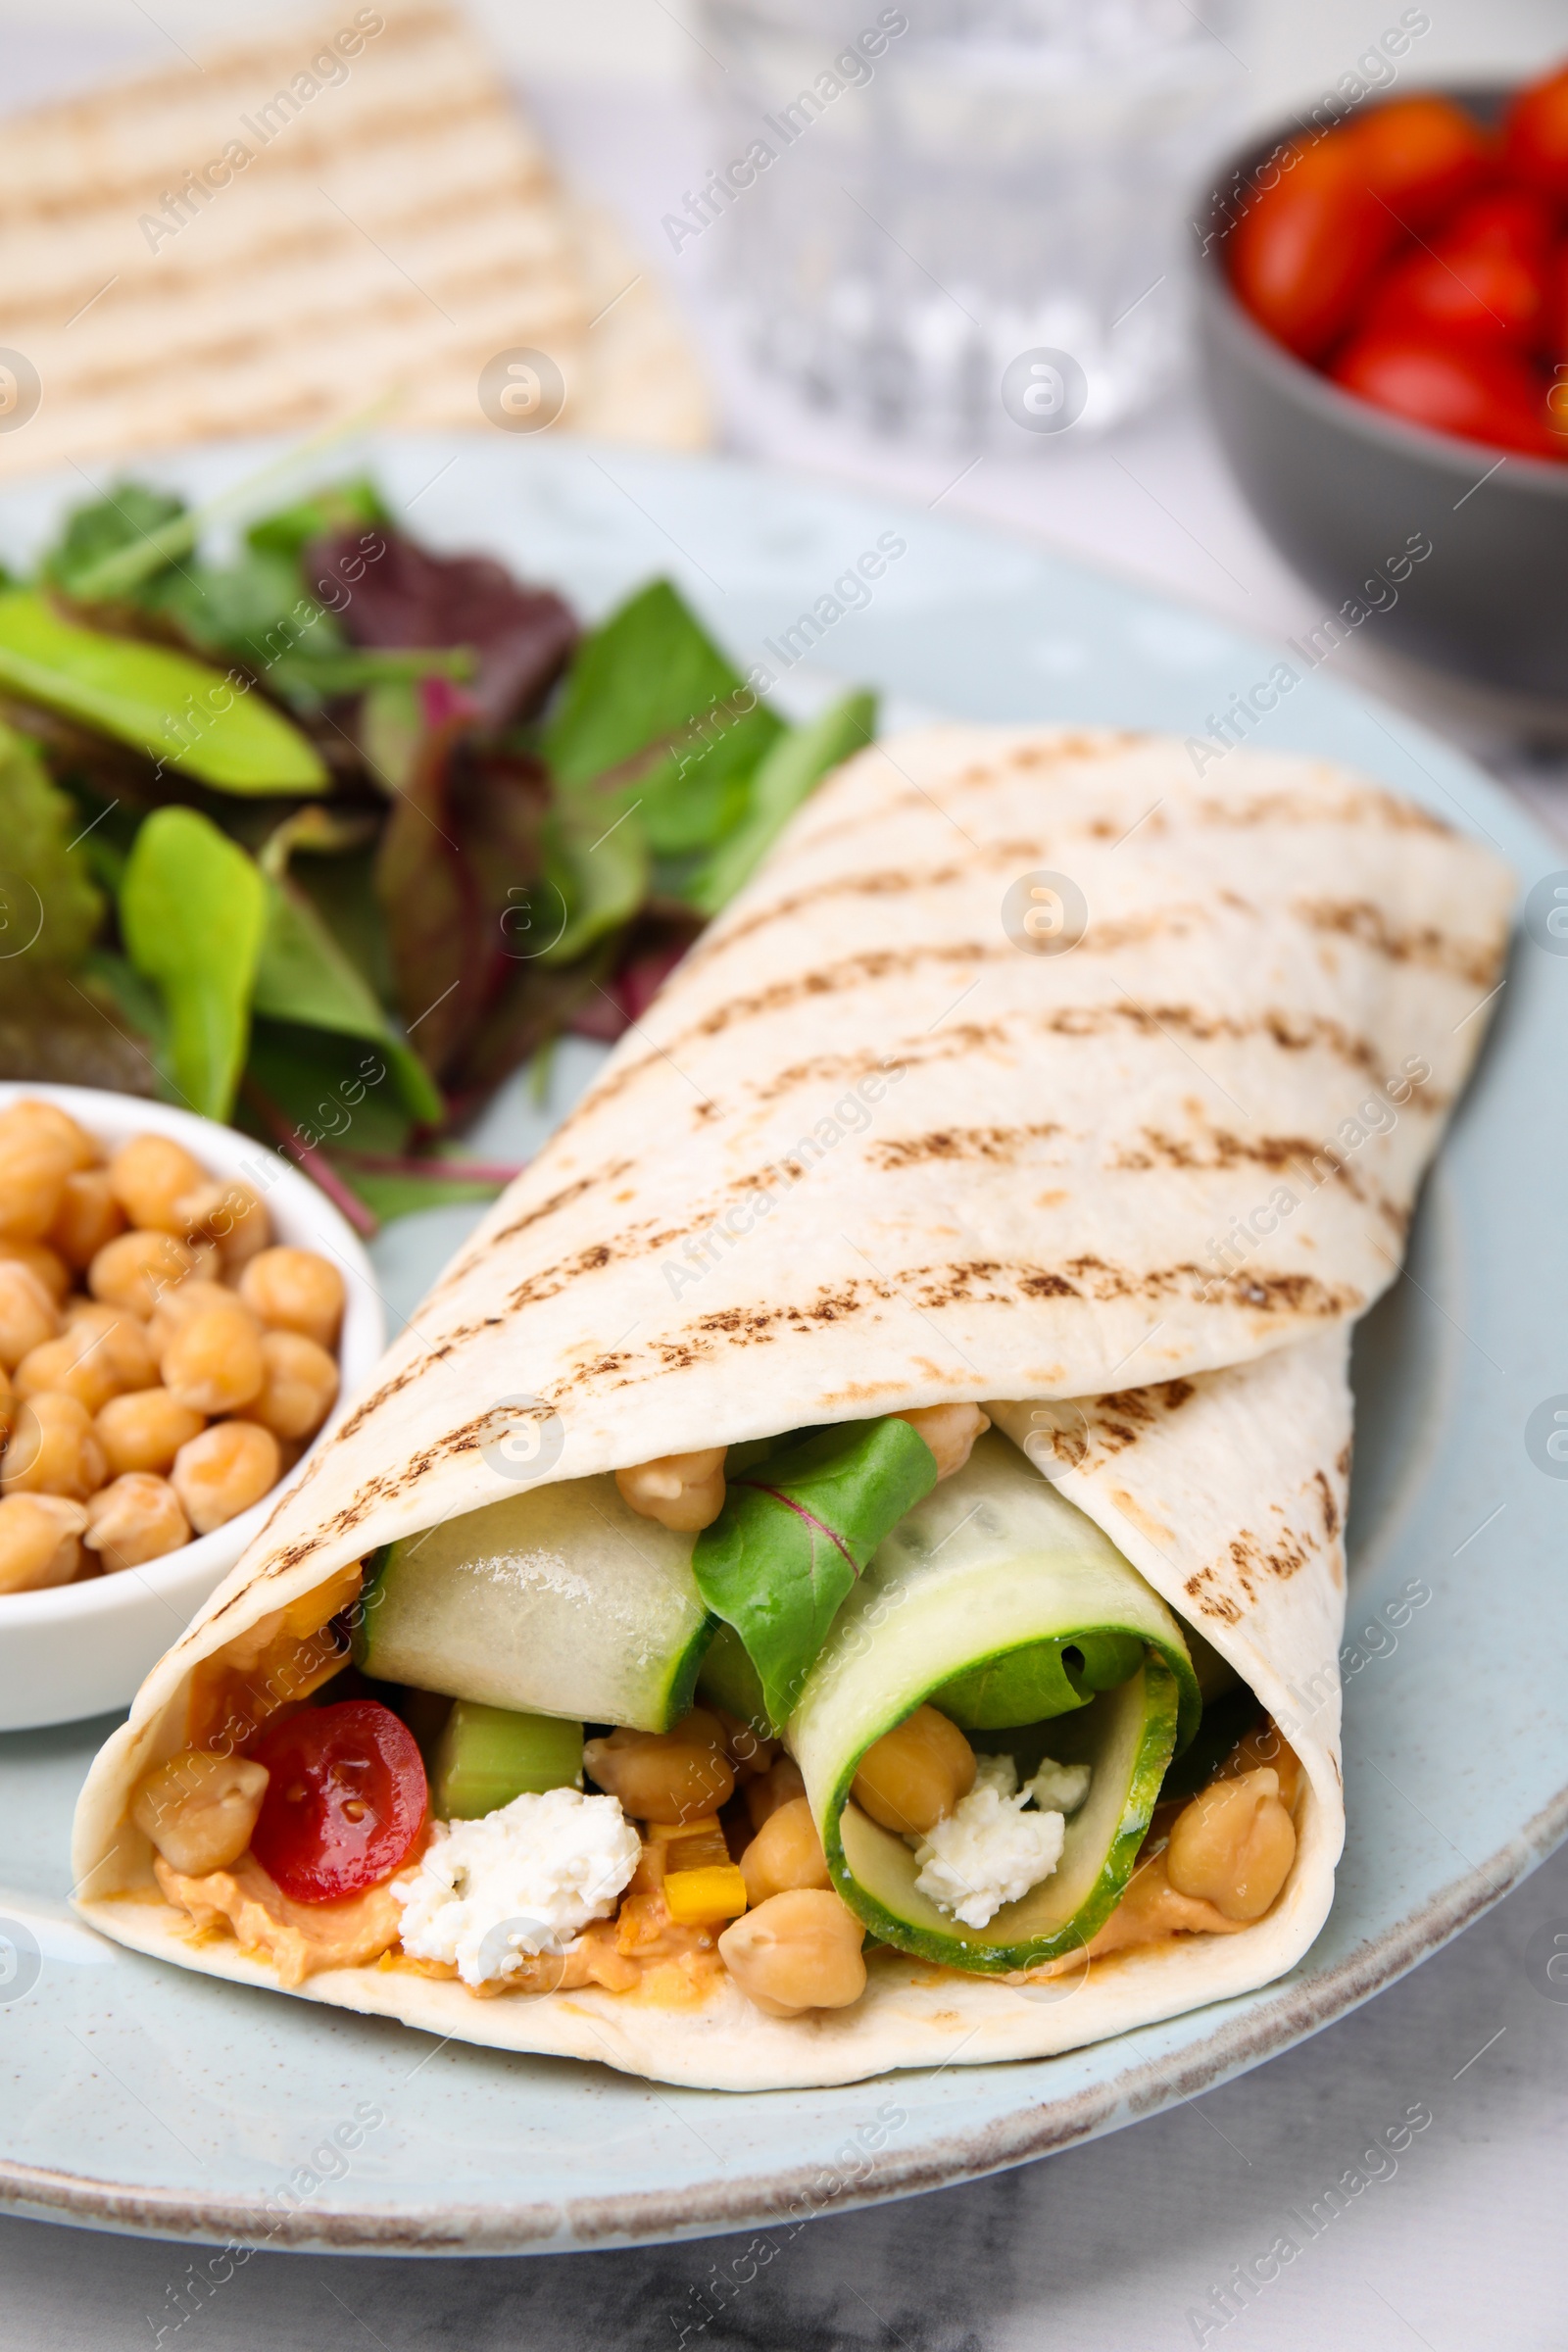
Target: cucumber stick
[
  {"x": 994, "y": 1565},
  {"x": 488, "y": 1756},
  {"x": 558, "y": 1601}
]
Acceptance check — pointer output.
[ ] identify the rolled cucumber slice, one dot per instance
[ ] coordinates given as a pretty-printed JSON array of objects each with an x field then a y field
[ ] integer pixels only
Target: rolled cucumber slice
[
  {"x": 995, "y": 1571},
  {"x": 560, "y": 1601}
]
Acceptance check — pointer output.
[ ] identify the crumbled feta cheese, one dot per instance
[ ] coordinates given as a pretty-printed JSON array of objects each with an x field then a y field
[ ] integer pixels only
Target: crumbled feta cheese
[
  {"x": 1000, "y": 1773},
  {"x": 989, "y": 1850},
  {"x": 1059, "y": 1787},
  {"x": 540, "y": 1869}
]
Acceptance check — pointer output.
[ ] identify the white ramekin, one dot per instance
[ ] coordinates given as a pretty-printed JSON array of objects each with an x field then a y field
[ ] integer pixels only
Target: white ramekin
[{"x": 80, "y": 1649}]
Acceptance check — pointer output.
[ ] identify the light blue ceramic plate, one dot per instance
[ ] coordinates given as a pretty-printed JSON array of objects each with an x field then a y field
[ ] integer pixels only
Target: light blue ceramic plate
[{"x": 145, "y": 2099}]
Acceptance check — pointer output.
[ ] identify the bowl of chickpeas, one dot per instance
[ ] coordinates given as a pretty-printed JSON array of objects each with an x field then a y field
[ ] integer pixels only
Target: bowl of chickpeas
[{"x": 183, "y": 1316}]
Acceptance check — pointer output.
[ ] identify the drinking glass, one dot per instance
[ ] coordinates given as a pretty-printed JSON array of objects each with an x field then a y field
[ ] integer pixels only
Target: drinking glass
[{"x": 959, "y": 221}]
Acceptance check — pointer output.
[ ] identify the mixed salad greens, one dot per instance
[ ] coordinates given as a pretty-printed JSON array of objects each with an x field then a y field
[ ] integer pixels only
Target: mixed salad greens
[{"x": 328, "y": 837}]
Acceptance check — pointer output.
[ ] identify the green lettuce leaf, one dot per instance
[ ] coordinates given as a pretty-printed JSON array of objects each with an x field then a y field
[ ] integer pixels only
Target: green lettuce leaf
[
  {"x": 794, "y": 1533},
  {"x": 599, "y": 884},
  {"x": 336, "y": 507},
  {"x": 653, "y": 715},
  {"x": 132, "y": 515},
  {"x": 193, "y": 913},
  {"x": 789, "y": 772},
  {"x": 49, "y": 909},
  {"x": 302, "y": 975}
]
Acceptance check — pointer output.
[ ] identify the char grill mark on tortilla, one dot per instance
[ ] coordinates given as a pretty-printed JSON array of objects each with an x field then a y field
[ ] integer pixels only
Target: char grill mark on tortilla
[
  {"x": 1358, "y": 805},
  {"x": 1221, "y": 1477},
  {"x": 1370, "y": 928},
  {"x": 995, "y": 1146},
  {"x": 1291, "y": 1034},
  {"x": 925, "y": 1289},
  {"x": 575, "y": 1251},
  {"x": 1295, "y": 1036},
  {"x": 1019, "y": 855}
]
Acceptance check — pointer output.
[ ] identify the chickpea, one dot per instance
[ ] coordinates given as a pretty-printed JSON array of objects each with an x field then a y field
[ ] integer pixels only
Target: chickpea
[
  {"x": 135, "y": 1519},
  {"x": 54, "y": 1450},
  {"x": 39, "y": 1259},
  {"x": 223, "y": 1471},
  {"x": 200, "y": 1810},
  {"x": 785, "y": 1853},
  {"x": 31, "y": 1116},
  {"x": 681, "y": 1491},
  {"x": 33, "y": 1167},
  {"x": 913, "y": 1776},
  {"x": 39, "y": 1541},
  {"x": 120, "y": 1338},
  {"x": 230, "y": 1215},
  {"x": 73, "y": 1365},
  {"x": 88, "y": 1215},
  {"x": 28, "y": 1316},
  {"x": 665, "y": 1776},
  {"x": 192, "y": 1296},
  {"x": 295, "y": 1290},
  {"x": 299, "y": 1385},
  {"x": 799, "y": 1950},
  {"x": 136, "y": 1269},
  {"x": 750, "y": 1751},
  {"x": 8, "y": 1408},
  {"x": 149, "y": 1176},
  {"x": 949, "y": 1430},
  {"x": 144, "y": 1430},
  {"x": 1234, "y": 1844},
  {"x": 777, "y": 1787},
  {"x": 212, "y": 1360}
]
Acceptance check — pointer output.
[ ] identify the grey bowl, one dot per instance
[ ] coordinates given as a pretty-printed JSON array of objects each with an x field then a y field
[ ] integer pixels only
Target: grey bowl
[{"x": 1345, "y": 490}]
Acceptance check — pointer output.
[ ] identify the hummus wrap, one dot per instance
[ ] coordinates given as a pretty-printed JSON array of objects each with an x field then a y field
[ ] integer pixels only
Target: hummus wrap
[{"x": 1031, "y": 1075}]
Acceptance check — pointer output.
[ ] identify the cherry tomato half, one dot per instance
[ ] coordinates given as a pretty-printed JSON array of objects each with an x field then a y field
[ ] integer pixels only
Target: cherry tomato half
[
  {"x": 1302, "y": 255},
  {"x": 346, "y": 1799},
  {"x": 1486, "y": 275},
  {"x": 1482, "y": 395},
  {"x": 1421, "y": 155},
  {"x": 1535, "y": 135}
]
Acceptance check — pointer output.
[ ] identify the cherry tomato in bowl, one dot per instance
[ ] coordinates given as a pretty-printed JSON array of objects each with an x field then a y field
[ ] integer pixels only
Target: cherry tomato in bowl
[
  {"x": 1303, "y": 254},
  {"x": 1535, "y": 136},
  {"x": 1491, "y": 396},
  {"x": 1470, "y": 537},
  {"x": 1486, "y": 275},
  {"x": 1422, "y": 156},
  {"x": 346, "y": 1800}
]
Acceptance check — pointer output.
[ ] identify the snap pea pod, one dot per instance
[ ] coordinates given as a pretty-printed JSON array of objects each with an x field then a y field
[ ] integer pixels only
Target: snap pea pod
[{"x": 175, "y": 710}]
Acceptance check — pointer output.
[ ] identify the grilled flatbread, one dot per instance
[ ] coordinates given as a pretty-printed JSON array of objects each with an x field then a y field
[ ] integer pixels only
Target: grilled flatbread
[
  {"x": 313, "y": 217},
  {"x": 872, "y": 1150}
]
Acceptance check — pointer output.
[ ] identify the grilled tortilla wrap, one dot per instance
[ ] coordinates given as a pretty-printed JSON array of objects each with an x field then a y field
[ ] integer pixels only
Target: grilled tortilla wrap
[{"x": 869, "y": 1153}]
